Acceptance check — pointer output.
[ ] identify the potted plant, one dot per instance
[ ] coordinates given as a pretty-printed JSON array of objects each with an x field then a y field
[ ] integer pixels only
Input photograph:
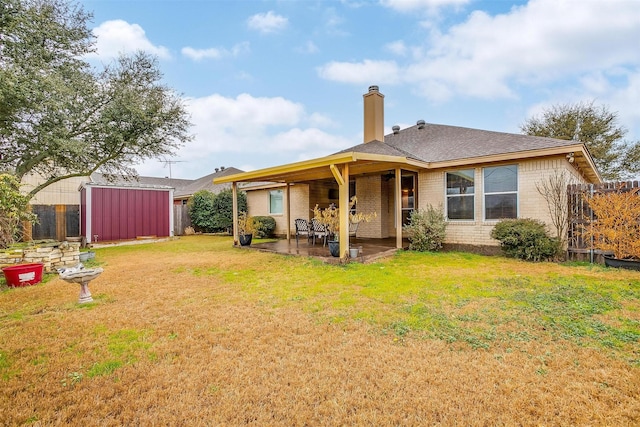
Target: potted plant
[
  {"x": 246, "y": 227},
  {"x": 330, "y": 217},
  {"x": 616, "y": 227}
]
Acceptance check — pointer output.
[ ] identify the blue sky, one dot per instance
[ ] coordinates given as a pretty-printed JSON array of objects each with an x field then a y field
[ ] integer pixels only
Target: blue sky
[{"x": 272, "y": 82}]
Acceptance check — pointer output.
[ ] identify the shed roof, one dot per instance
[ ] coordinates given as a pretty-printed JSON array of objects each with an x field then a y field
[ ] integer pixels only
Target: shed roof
[{"x": 139, "y": 181}]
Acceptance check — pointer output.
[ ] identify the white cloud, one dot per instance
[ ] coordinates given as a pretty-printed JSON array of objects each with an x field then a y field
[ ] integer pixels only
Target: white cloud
[
  {"x": 200, "y": 54},
  {"x": 303, "y": 140},
  {"x": 487, "y": 56},
  {"x": 361, "y": 73},
  {"x": 333, "y": 23},
  {"x": 320, "y": 120},
  {"x": 542, "y": 41},
  {"x": 215, "y": 53},
  {"x": 412, "y": 5},
  {"x": 308, "y": 48},
  {"x": 619, "y": 89},
  {"x": 267, "y": 22},
  {"x": 118, "y": 36},
  {"x": 254, "y": 129},
  {"x": 397, "y": 48}
]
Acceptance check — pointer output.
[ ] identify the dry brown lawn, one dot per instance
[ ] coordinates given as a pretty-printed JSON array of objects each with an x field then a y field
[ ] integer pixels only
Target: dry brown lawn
[{"x": 164, "y": 346}]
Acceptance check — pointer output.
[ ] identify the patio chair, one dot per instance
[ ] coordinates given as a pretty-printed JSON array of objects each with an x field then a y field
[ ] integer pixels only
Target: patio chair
[
  {"x": 303, "y": 229},
  {"x": 319, "y": 230}
]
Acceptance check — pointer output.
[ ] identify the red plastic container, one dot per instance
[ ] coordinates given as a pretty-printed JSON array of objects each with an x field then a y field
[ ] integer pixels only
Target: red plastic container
[{"x": 23, "y": 274}]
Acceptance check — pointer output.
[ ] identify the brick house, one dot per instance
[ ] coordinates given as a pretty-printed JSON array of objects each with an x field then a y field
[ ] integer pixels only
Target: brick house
[{"x": 477, "y": 176}]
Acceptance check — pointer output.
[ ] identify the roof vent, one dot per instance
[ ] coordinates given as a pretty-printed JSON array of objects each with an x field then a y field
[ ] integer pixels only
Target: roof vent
[
  {"x": 221, "y": 168},
  {"x": 395, "y": 129},
  {"x": 420, "y": 124},
  {"x": 217, "y": 170},
  {"x": 373, "y": 88}
]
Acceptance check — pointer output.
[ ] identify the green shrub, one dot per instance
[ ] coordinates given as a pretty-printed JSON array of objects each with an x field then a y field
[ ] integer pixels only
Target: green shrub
[
  {"x": 223, "y": 209},
  {"x": 212, "y": 213},
  {"x": 14, "y": 208},
  {"x": 526, "y": 239},
  {"x": 265, "y": 226},
  {"x": 426, "y": 229}
]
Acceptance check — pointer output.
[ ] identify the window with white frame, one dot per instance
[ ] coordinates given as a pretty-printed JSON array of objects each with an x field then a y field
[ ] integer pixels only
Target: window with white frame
[
  {"x": 275, "y": 202},
  {"x": 501, "y": 192},
  {"x": 460, "y": 194}
]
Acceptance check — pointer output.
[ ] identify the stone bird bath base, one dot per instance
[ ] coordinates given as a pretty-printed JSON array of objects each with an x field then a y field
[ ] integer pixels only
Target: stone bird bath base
[{"x": 82, "y": 276}]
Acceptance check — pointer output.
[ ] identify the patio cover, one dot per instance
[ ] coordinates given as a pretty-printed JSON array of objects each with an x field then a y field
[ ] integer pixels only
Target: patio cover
[{"x": 338, "y": 166}]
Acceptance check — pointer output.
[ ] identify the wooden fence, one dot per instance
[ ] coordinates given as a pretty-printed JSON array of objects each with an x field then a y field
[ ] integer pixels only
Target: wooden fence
[
  {"x": 581, "y": 215},
  {"x": 54, "y": 222},
  {"x": 181, "y": 219}
]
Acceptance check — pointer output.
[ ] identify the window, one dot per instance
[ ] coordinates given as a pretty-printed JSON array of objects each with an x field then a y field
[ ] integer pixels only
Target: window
[
  {"x": 275, "y": 202},
  {"x": 408, "y": 186},
  {"x": 460, "y": 195},
  {"x": 501, "y": 192}
]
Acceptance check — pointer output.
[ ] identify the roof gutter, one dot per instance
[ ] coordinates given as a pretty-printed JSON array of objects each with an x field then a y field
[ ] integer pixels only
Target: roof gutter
[{"x": 506, "y": 157}]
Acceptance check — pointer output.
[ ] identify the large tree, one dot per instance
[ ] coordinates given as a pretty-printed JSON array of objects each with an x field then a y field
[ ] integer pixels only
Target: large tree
[
  {"x": 60, "y": 117},
  {"x": 598, "y": 128}
]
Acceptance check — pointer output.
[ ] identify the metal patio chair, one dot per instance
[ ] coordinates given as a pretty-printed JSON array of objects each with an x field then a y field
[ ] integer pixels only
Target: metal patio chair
[
  {"x": 303, "y": 229},
  {"x": 319, "y": 230}
]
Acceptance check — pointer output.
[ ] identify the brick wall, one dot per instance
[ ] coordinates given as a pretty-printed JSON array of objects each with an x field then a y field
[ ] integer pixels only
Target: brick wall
[
  {"x": 258, "y": 205},
  {"x": 431, "y": 188},
  {"x": 371, "y": 192}
]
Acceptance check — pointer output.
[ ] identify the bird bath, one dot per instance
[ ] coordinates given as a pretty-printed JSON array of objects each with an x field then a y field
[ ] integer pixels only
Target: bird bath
[{"x": 82, "y": 276}]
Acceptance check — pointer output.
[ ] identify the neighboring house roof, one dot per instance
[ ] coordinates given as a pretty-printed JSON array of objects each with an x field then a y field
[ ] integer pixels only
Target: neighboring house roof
[{"x": 206, "y": 183}]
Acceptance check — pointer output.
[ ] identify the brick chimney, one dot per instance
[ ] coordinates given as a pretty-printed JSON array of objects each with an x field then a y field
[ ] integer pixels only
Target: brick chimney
[{"x": 373, "y": 115}]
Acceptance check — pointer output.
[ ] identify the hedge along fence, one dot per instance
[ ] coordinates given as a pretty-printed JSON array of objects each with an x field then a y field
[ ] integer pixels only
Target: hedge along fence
[{"x": 581, "y": 215}]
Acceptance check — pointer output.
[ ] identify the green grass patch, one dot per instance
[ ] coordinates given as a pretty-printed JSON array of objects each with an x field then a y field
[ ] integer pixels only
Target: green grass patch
[
  {"x": 121, "y": 347},
  {"x": 456, "y": 297},
  {"x": 107, "y": 367},
  {"x": 7, "y": 369}
]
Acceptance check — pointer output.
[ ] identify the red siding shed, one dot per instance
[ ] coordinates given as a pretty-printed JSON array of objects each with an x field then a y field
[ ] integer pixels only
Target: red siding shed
[{"x": 110, "y": 212}]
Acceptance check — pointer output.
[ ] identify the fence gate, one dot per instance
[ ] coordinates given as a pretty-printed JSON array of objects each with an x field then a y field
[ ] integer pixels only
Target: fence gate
[
  {"x": 55, "y": 222},
  {"x": 181, "y": 219}
]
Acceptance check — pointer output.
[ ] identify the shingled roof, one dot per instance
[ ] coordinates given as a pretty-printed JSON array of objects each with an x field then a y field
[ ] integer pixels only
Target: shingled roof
[
  {"x": 438, "y": 143},
  {"x": 206, "y": 183},
  {"x": 139, "y": 181}
]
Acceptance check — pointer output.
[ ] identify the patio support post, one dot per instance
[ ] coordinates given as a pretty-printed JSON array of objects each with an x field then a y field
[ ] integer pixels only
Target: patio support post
[
  {"x": 234, "y": 197},
  {"x": 288, "y": 213},
  {"x": 398, "y": 208},
  {"x": 344, "y": 212}
]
